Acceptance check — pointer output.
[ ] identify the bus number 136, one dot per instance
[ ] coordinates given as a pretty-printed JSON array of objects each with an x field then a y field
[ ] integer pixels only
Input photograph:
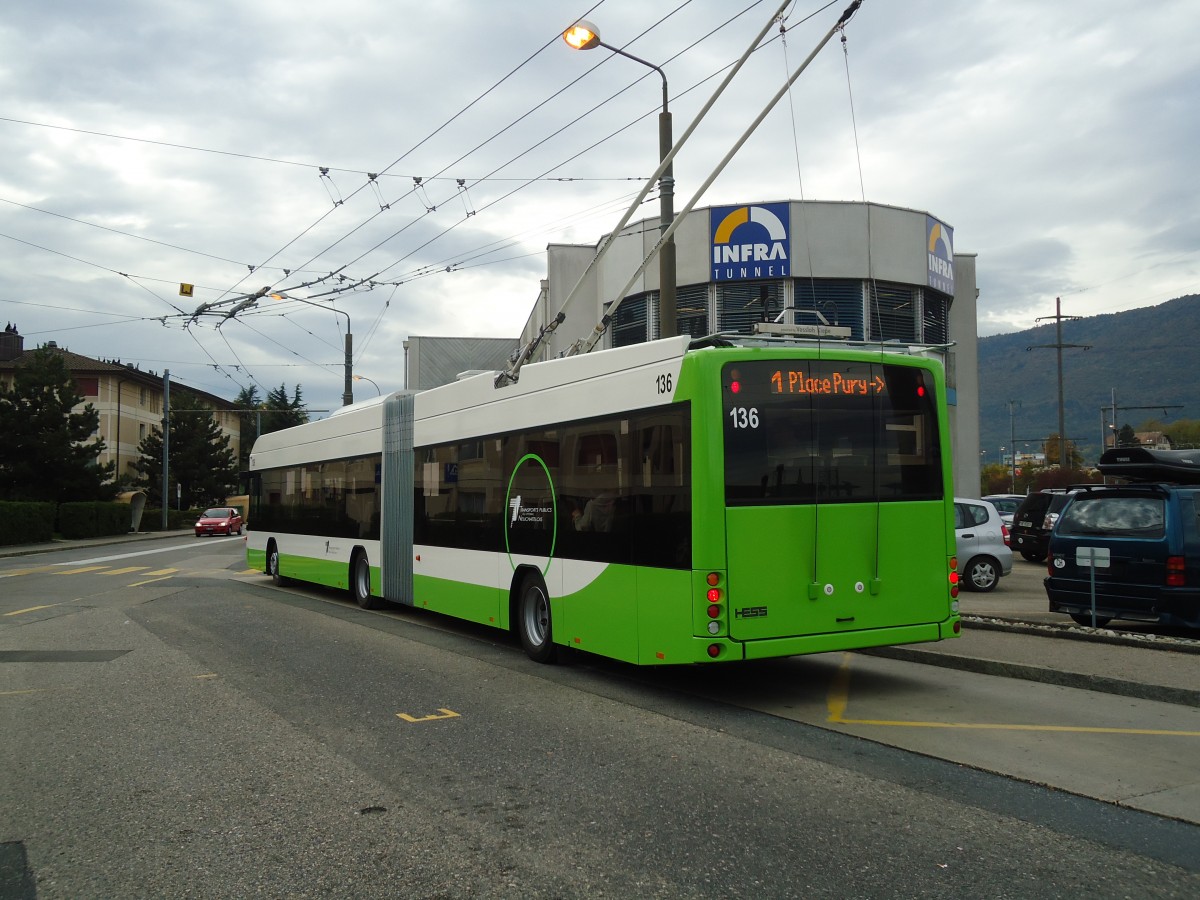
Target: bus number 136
[{"x": 743, "y": 417}]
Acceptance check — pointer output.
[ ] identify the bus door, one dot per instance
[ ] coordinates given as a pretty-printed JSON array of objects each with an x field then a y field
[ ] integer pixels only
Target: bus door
[{"x": 835, "y": 512}]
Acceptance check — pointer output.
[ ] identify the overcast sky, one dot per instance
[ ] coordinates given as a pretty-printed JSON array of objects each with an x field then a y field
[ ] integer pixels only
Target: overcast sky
[{"x": 145, "y": 144}]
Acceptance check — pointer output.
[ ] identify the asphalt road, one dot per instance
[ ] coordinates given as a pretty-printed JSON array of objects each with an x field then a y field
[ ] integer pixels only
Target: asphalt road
[{"x": 199, "y": 733}]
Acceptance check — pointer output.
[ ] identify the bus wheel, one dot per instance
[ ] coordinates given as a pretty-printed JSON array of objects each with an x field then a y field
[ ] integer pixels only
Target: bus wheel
[
  {"x": 360, "y": 581},
  {"x": 273, "y": 565},
  {"x": 533, "y": 620}
]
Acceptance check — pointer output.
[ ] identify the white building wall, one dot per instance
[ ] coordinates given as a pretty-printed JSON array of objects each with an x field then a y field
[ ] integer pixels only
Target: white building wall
[{"x": 828, "y": 240}]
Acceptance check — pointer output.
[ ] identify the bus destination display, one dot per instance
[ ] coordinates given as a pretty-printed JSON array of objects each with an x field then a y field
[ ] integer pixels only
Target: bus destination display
[{"x": 795, "y": 381}]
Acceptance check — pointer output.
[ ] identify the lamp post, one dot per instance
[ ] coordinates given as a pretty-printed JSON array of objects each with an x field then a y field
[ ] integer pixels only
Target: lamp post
[
  {"x": 370, "y": 382},
  {"x": 348, "y": 389},
  {"x": 583, "y": 35}
]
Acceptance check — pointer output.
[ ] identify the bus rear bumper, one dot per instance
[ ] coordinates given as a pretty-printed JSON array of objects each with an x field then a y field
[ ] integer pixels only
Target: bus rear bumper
[{"x": 826, "y": 643}]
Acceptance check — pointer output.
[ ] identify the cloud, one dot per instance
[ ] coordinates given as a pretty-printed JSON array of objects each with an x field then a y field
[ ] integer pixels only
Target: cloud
[{"x": 1057, "y": 139}]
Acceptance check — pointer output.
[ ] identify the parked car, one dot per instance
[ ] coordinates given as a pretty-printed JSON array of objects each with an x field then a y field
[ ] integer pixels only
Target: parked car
[
  {"x": 1030, "y": 532},
  {"x": 982, "y": 541},
  {"x": 219, "y": 520},
  {"x": 1136, "y": 545},
  {"x": 1006, "y": 505}
]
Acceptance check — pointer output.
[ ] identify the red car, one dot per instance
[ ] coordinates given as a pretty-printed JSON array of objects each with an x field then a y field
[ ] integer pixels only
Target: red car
[{"x": 220, "y": 520}]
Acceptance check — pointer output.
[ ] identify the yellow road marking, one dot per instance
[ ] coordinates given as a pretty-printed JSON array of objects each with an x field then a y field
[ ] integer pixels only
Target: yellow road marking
[
  {"x": 17, "y": 612},
  {"x": 149, "y": 581},
  {"x": 29, "y": 691},
  {"x": 77, "y": 571},
  {"x": 839, "y": 697},
  {"x": 126, "y": 570},
  {"x": 163, "y": 572},
  {"x": 209, "y": 675},
  {"x": 445, "y": 714},
  {"x": 26, "y": 571}
]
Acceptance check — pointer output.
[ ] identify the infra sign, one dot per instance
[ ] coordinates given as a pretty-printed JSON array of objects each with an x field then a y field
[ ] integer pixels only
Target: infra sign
[{"x": 750, "y": 242}]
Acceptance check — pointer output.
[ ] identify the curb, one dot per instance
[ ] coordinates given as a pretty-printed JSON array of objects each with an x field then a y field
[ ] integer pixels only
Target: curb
[
  {"x": 1085, "y": 633},
  {"x": 1042, "y": 675}
]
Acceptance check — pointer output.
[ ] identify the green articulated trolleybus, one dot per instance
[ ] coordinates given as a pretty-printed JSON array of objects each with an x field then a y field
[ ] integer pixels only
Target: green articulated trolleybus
[{"x": 676, "y": 501}]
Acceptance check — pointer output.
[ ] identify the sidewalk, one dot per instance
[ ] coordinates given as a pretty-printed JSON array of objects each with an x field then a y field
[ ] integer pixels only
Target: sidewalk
[
  {"x": 1071, "y": 656},
  {"x": 29, "y": 549},
  {"x": 1005, "y": 633}
]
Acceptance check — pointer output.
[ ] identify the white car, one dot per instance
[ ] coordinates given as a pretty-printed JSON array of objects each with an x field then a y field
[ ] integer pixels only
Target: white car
[
  {"x": 982, "y": 540},
  {"x": 1006, "y": 505}
]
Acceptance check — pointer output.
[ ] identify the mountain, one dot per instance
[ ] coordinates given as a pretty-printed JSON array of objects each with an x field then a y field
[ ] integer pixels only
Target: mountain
[{"x": 1147, "y": 356}]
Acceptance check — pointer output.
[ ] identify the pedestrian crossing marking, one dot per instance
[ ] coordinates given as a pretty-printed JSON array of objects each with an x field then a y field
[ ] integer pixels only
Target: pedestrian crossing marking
[
  {"x": 80, "y": 570},
  {"x": 25, "y": 571},
  {"x": 125, "y": 571}
]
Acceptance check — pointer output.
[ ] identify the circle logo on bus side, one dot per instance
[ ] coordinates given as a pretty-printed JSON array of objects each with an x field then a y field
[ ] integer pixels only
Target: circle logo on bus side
[{"x": 531, "y": 519}]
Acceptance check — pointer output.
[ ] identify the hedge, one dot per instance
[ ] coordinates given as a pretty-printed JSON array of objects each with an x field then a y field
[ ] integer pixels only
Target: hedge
[
  {"x": 26, "y": 522},
  {"x": 176, "y": 518},
  {"x": 87, "y": 520}
]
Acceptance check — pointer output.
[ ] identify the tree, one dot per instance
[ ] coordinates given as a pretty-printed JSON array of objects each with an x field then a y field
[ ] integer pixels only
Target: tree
[
  {"x": 201, "y": 461},
  {"x": 46, "y": 453},
  {"x": 1126, "y": 437},
  {"x": 280, "y": 412},
  {"x": 995, "y": 478},
  {"x": 1052, "y": 452},
  {"x": 250, "y": 407}
]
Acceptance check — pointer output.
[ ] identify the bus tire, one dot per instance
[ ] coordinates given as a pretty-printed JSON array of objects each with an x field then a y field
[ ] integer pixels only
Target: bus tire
[
  {"x": 533, "y": 620},
  {"x": 360, "y": 580},
  {"x": 273, "y": 565}
]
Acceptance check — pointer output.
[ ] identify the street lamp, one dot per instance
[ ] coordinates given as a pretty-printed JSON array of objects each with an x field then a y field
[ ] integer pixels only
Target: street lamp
[
  {"x": 348, "y": 389},
  {"x": 370, "y": 382},
  {"x": 583, "y": 35}
]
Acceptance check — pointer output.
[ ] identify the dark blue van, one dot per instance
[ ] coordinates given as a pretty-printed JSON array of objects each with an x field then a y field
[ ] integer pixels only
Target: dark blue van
[{"x": 1138, "y": 543}]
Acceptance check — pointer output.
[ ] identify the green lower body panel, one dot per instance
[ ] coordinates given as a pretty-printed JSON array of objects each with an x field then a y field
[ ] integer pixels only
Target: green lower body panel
[
  {"x": 475, "y": 603},
  {"x": 851, "y": 640}
]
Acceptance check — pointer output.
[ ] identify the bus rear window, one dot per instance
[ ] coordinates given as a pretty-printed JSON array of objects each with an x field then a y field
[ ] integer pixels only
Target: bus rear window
[{"x": 803, "y": 431}]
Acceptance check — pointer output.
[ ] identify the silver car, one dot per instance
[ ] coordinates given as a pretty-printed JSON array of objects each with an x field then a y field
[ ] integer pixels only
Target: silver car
[{"x": 982, "y": 540}]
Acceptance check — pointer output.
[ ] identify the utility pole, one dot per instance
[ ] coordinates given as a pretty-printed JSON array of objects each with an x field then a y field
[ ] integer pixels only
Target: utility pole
[
  {"x": 1063, "y": 455},
  {"x": 1163, "y": 406},
  {"x": 1012, "y": 441},
  {"x": 166, "y": 440}
]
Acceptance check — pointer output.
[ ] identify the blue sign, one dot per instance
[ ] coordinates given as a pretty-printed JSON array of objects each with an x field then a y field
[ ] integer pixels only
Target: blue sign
[
  {"x": 750, "y": 242},
  {"x": 450, "y": 473},
  {"x": 940, "y": 245}
]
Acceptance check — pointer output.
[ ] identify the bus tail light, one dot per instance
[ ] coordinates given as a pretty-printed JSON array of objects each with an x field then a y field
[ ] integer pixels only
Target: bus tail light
[
  {"x": 1176, "y": 573},
  {"x": 714, "y": 595},
  {"x": 714, "y": 650},
  {"x": 953, "y": 576}
]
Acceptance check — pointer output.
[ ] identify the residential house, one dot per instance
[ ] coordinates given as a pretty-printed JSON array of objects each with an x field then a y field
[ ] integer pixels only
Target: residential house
[{"x": 129, "y": 400}]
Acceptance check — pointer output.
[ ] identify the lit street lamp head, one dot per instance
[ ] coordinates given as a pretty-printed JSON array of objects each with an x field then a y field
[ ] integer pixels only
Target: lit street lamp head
[{"x": 582, "y": 35}]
